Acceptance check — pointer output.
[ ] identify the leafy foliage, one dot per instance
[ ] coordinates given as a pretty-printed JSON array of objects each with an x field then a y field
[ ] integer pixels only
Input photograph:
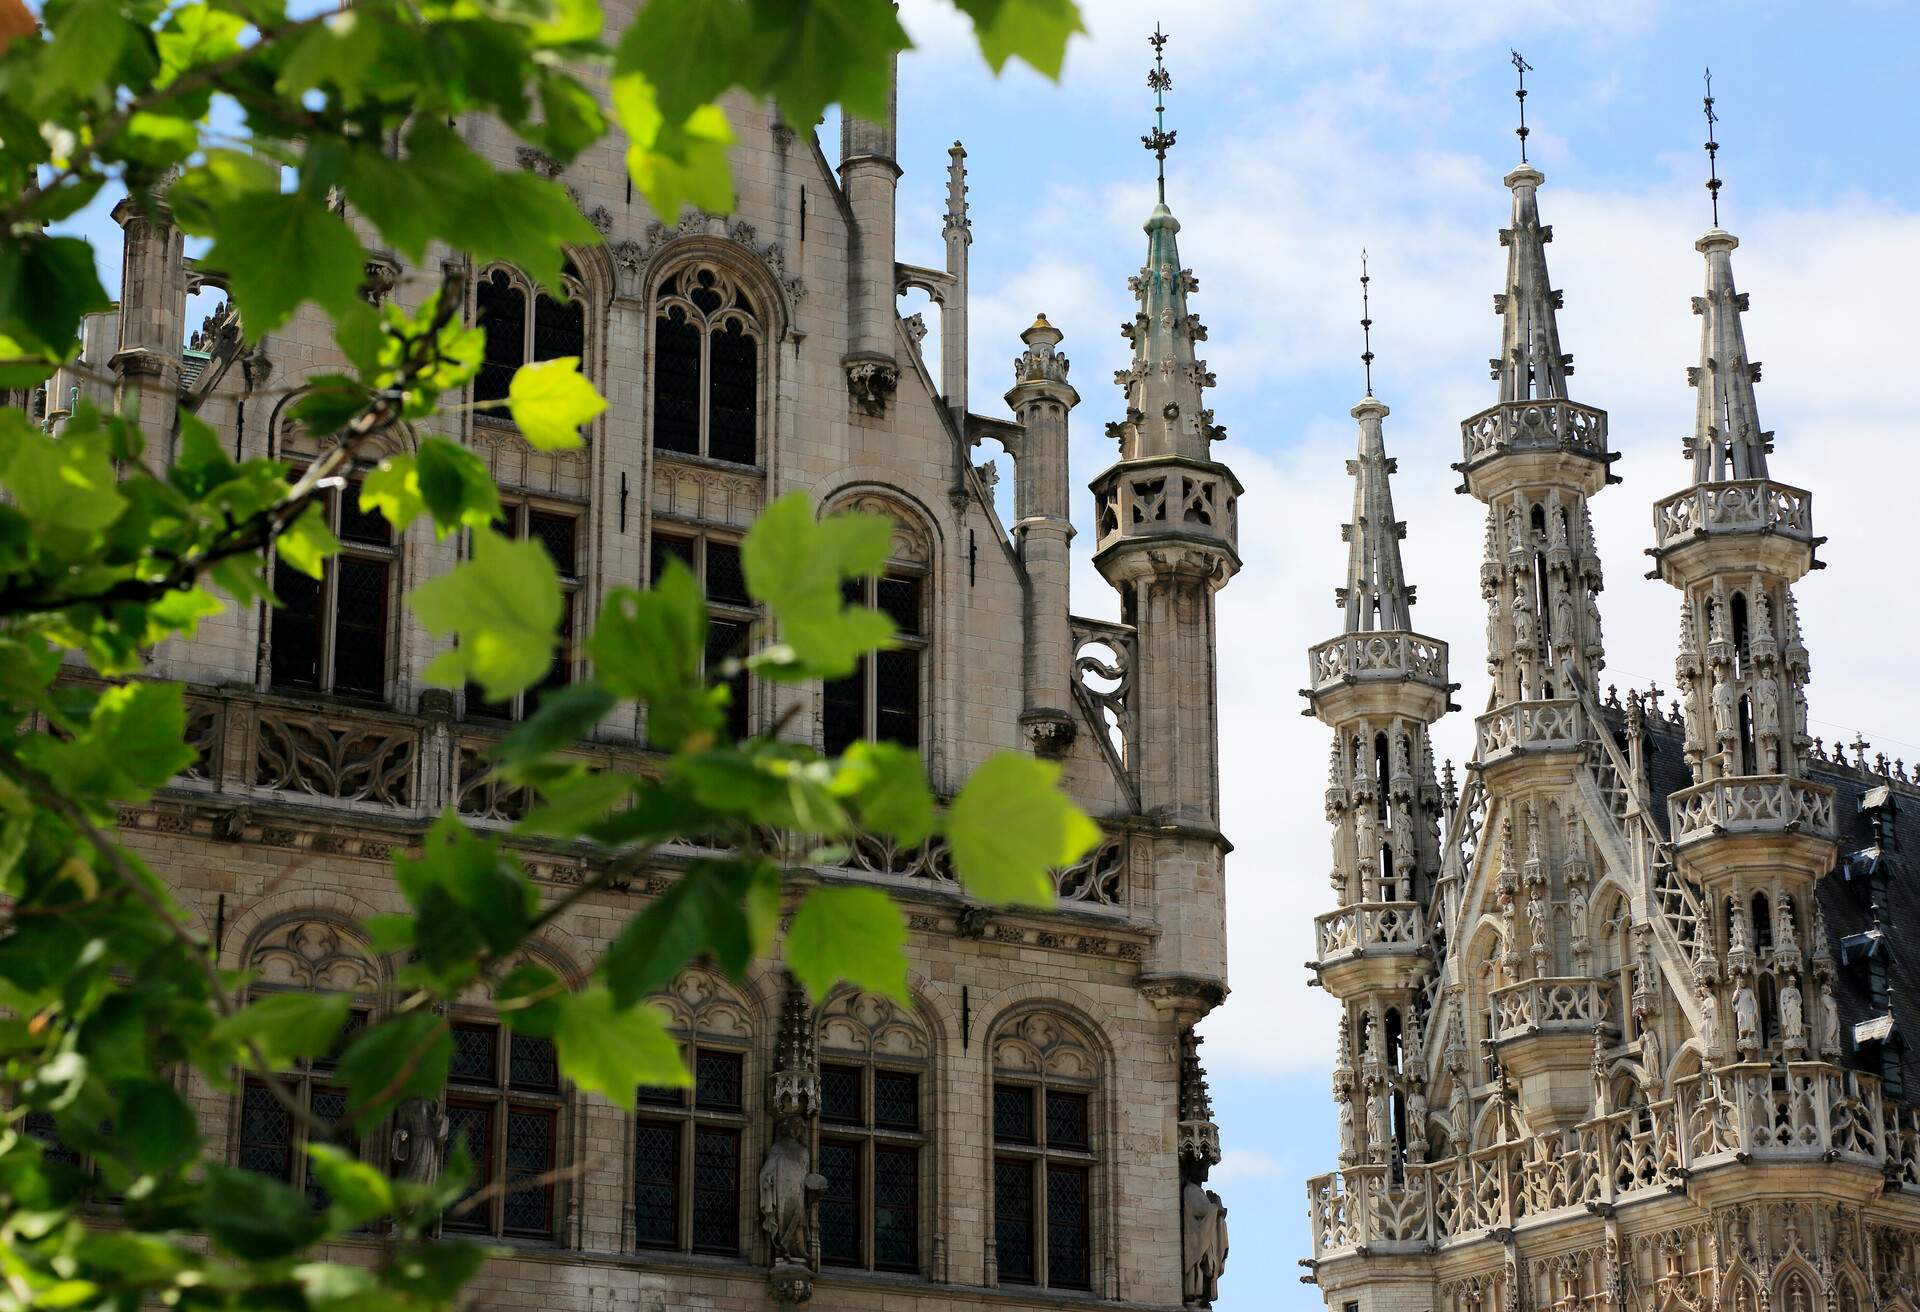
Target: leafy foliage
[{"x": 254, "y": 127}]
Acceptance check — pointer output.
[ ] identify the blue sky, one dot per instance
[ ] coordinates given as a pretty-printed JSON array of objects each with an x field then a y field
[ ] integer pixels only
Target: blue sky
[{"x": 1309, "y": 131}]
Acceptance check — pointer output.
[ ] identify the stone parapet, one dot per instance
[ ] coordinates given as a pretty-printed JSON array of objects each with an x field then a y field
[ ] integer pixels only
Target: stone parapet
[
  {"x": 1525, "y": 728},
  {"x": 1753, "y": 804},
  {"x": 1513, "y": 444}
]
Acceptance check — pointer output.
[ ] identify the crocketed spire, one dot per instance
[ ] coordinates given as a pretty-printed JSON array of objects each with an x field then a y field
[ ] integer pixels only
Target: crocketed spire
[
  {"x": 1165, "y": 413},
  {"x": 1531, "y": 365},
  {"x": 1727, "y": 442},
  {"x": 1377, "y": 595}
]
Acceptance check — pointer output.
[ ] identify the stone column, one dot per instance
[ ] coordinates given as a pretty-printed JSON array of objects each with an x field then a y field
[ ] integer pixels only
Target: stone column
[{"x": 1040, "y": 399}]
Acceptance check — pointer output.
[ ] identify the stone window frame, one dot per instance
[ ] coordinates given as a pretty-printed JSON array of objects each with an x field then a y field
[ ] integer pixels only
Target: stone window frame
[
  {"x": 750, "y": 309},
  {"x": 501, "y": 1098},
  {"x": 911, "y": 558},
  {"x": 365, "y": 549},
  {"x": 304, "y": 1080},
  {"x": 574, "y": 282}
]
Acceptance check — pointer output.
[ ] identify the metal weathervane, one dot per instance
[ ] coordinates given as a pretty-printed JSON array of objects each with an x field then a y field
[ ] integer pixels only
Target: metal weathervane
[
  {"x": 1713, "y": 152},
  {"x": 1522, "y": 67},
  {"x": 1366, "y": 323},
  {"x": 1159, "y": 141}
]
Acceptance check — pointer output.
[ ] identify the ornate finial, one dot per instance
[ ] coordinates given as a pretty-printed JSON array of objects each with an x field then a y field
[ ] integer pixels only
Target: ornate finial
[
  {"x": 1713, "y": 152},
  {"x": 1159, "y": 141},
  {"x": 957, "y": 220},
  {"x": 1366, "y": 322},
  {"x": 1521, "y": 67}
]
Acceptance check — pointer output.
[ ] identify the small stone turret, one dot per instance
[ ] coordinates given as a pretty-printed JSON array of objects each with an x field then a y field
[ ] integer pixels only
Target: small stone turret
[
  {"x": 870, "y": 176},
  {"x": 958, "y": 231},
  {"x": 1040, "y": 399},
  {"x": 153, "y": 307}
]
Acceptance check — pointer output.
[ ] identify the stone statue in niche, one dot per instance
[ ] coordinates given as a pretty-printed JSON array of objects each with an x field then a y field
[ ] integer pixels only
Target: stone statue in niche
[
  {"x": 1203, "y": 1240},
  {"x": 1349, "y": 1147},
  {"x": 1793, "y": 1025},
  {"x": 1522, "y": 620},
  {"x": 1417, "y": 1124},
  {"x": 1829, "y": 1021},
  {"x": 788, "y": 1187},
  {"x": 1723, "y": 726},
  {"x": 1577, "y": 921},
  {"x": 419, "y": 1145},
  {"x": 1709, "y": 1023},
  {"x": 1746, "y": 1018},
  {"x": 1379, "y": 1138}
]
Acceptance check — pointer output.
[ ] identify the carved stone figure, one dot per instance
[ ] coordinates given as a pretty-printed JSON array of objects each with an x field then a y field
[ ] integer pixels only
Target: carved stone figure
[
  {"x": 1379, "y": 1138},
  {"x": 1203, "y": 1243},
  {"x": 419, "y": 1143},
  {"x": 1349, "y": 1148},
  {"x": 1746, "y": 1018},
  {"x": 1653, "y": 1058},
  {"x": 1793, "y": 1026},
  {"x": 1723, "y": 726},
  {"x": 788, "y": 1187},
  {"x": 1710, "y": 1023},
  {"x": 1766, "y": 698},
  {"x": 1595, "y": 643},
  {"x": 1829, "y": 1021},
  {"x": 1522, "y": 620},
  {"x": 1417, "y": 1124},
  {"x": 1577, "y": 920},
  {"x": 1537, "y": 927},
  {"x": 1563, "y": 621}
]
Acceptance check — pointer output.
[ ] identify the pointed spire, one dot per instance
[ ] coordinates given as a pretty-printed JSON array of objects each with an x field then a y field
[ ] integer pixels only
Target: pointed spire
[
  {"x": 1531, "y": 365},
  {"x": 957, "y": 220},
  {"x": 1522, "y": 68},
  {"x": 1159, "y": 141},
  {"x": 1727, "y": 442},
  {"x": 1377, "y": 595}
]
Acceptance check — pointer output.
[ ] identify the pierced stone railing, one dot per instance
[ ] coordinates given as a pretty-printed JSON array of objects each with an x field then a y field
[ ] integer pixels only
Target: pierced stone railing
[
  {"x": 1370, "y": 927},
  {"x": 1750, "y": 804},
  {"x": 1806, "y": 1111},
  {"x": 350, "y": 757},
  {"x": 479, "y": 792},
  {"x": 1572, "y": 1005},
  {"x": 1097, "y": 879},
  {"x": 1520, "y": 727},
  {"x": 1543, "y": 425},
  {"x": 1750, "y": 505},
  {"x": 1384, "y": 655}
]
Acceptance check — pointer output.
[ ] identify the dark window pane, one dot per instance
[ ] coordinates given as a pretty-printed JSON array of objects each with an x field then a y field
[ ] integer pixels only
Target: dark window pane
[
  {"x": 840, "y": 1099},
  {"x": 676, "y": 383},
  {"x": 896, "y": 1208},
  {"x": 360, "y": 627},
  {"x": 717, "y": 1081},
  {"x": 734, "y": 359},
  {"x": 896, "y": 695},
  {"x": 843, "y": 710},
  {"x": 1066, "y": 1119},
  {"x": 656, "y": 1184},
  {"x": 1013, "y": 1113},
  {"x": 716, "y": 1190},
  {"x": 503, "y": 316},
  {"x": 702, "y": 293},
  {"x": 528, "y": 1208},
  {"x": 558, "y": 330},
  {"x": 840, "y": 1204},
  {"x": 531, "y": 1063},
  {"x": 474, "y": 1050},
  {"x": 896, "y": 1100},
  {"x": 1069, "y": 1255},
  {"x": 728, "y": 638},
  {"x": 328, "y": 1107},
  {"x": 558, "y": 534},
  {"x": 471, "y": 1124},
  {"x": 899, "y": 599},
  {"x": 660, "y": 1095},
  {"x": 479, "y": 708},
  {"x": 295, "y": 633},
  {"x": 560, "y": 673},
  {"x": 726, "y": 579},
  {"x": 41, "y": 1126},
  {"x": 356, "y": 1021},
  {"x": 666, "y": 547},
  {"x": 1013, "y": 1220},
  {"x": 266, "y": 1134}
]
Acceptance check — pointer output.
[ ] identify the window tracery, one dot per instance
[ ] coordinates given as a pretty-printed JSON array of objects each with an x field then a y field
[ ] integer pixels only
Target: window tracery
[
  {"x": 1047, "y": 1151},
  {"x": 708, "y": 352},
  {"x": 514, "y": 336},
  {"x": 333, "y": 634}
]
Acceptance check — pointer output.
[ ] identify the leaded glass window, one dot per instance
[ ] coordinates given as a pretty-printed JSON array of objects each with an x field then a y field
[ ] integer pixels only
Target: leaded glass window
[
  {"x": 1043, "y": 1183},
  {"x": 883, "y": 698},
  {"x": 557, "y": 526},
  {"x": 331, "y": 634},
  {"x": 555, "y": 328},
  {"x": 707, "y": 355},
  {"x": 715, "y": 563},
  {"x": 687, "y": 1157},
  {"x": 870, "y": 1147},
  {"x": 503, "y": 1105}
]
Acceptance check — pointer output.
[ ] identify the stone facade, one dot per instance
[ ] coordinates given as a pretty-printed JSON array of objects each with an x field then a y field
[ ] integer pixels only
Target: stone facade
[
  {"x": 1621, "y": 1015},
  {"x": 323, "y": 752}
]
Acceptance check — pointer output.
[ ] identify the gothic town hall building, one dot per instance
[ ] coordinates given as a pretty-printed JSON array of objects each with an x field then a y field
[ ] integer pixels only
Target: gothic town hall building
[
  {"x": 1621, "y": 1016},
  {"x": 1033, "y": 1129}
]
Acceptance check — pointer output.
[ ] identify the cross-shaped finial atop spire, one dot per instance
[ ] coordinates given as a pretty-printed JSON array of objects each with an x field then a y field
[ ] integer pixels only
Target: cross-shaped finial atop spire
[
  {"x": 1713, "y": 152},
  {"x": 1366, "y": 322},
  {"x": 1521, "y": 67},
  {"x": 1159, "y": 141}
]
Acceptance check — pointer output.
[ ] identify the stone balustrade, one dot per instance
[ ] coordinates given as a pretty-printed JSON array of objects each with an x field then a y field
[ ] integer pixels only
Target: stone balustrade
[
  {"x": 1816, "y": 1112},
  {"x": 1749, "y": 505},
  {"x": 1750, "y": 804},
  {"x": 1382, "y": 655},
  {"x": 1533, "y": 425},
  {"x": 1521, "y": 727},
  {"x": 1370, "y": 927},
  {"x": 1573, "y": 1005}
]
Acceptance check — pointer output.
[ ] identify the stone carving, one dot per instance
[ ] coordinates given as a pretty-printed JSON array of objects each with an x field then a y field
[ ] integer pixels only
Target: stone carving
[
  {"x": 636, "y": 259},
  {"x": 871, "y": 383},
  {"x": 1203, "y": 1241},
  {"x": 418, "y": 1147},
  {"x": 1829, "y": 1022},
  {"x": 1793, "y": 1026},
  {"x": 1746, "y": 1018},
  {"x": 314, "y": 954},
  {"x": 1349, "y": 1144},
  {"x": 1710, "y": 1039},
  {"x": 789, "y": 1186},
  {"x": 348, "y": 760}
]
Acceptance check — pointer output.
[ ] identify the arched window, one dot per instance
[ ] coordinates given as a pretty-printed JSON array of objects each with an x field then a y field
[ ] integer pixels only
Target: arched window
[
  {"x": 874, "y": 1115},
  {"x": 1046, "y": 1151},
  {"x": 884, "y": 698},
  {"x": 332, "y": 634},
  {"x": 514, "y": 337},
  {"x": 707, "y": 349},
  {"x": 504, "y": 1103},
  {"x": 688, "y": 1144}
]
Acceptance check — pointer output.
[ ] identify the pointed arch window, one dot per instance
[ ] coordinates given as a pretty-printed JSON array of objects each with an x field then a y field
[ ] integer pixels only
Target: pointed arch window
[
  {"x": 873, "y": 1134},
  {"x": 884, "y": 699},
  {"x": 517, "y": 335},
  {"x": 1046, "y": 1153},
  {"x": 708, "y": 348}
]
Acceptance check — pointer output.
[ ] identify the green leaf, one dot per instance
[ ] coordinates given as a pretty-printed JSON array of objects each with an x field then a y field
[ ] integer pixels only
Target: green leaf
[
  {"x": 503, "y": 606},
  {"x": 254, "y": 1217},
  {"x": 47, "y": 284},
  {"x": 1011, "y": 826},
  {"x": 1033, "y": 30},
  {"x": 280, "y": 250},
  {"x": 135, "y": 740},
  {"x": 288, "y": 1027},
  {"x": 550, "y": 401},
  {"x": 689, "y": 51},
  {"x": 726, "y": 909},
  {"x": 403, "y": 1057},
  {"x": 852, "y": 934},
  {"x": 887, "y": 785},
  {"x": 649, "y": 645},
  {"x": 67, "y": 487},
  {"x": 526, "y": 1000},
  {"x": 155, "y": 1127},
  {"x": 307, "y": 543},
  {"x": 481, "y": 884},
  {"x": 613, "y": 1051},
  {"x": 674, "y": 164},
  {"x": 456, "y": 485},
  {"x": 826, "y": 52},
  {"x": 359, "y": 1193},
  {"x": 564, "y": 717},
  {"x": 88, "y": 37},
  {"x": 796, "y": 565},
  {"x": 340, "y": 52}
]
